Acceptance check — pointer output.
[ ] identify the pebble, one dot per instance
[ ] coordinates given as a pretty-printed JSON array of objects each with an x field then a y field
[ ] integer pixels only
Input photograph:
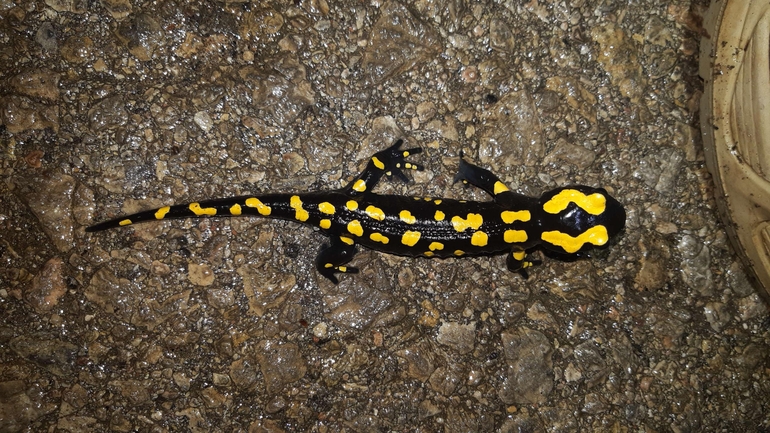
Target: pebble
[
  {"x": 457, "y": 336},
  {"x": 49, "y": 195},
  {"x": 529, "y": 377},
  {"x": 280, "y": 364},
  {"x": 399, "y": 42},
  {"x": 47, "y": 287},
  {"x": 20, "y": 113}
]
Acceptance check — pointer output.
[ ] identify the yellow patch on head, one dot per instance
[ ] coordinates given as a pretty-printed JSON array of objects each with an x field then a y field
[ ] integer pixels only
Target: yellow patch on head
[
  {"x": 594, "y": 204},
  {"x": 510, "y": 216},
  {"x": 595, "y": 235},
  {"x": 407, "y": 217},
  {"x": 410, "y": 238},
  {"x": 439, "y": 216},
  {"x": 347, "y": 240},
  {"x": 500, "y": 187},
  {"x": 378, "y": 237},
  {"x": 296, "y": 203},
  {"x": 326, "y": 208},
  {"x": 235, "y": 209},
  {"x": 514, "y": 236},
  {"x": 375, "y": 213},
  {"x": 161, "y": 213},
  {"x": 473, "y": 221},
  {"x": 479, "y": 239},
  {"x": 378, "y": 163},
  {"x": 355, "y": 228},
  {"x": 519, "y": 255},
  {"x": 351, "y": 205},
  {"x": 359, "y": 186},
  {"x": 325, "y": 224},
  {"x": 436, "y": 246},
  {"x": 125, "y": 222},
  {"x": 198, "y": 210},
  {"x": 262, "y": 208}
]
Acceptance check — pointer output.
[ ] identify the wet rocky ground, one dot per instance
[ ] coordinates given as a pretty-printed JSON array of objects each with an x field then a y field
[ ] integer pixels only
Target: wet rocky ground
[{"x": 113, "y": 106}]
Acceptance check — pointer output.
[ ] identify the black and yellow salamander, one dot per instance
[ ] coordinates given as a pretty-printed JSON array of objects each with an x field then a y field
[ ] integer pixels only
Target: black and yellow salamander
[{"x": 564, "y": 221}]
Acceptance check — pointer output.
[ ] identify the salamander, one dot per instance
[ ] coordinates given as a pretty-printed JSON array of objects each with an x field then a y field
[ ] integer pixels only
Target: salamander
[{"x": 566, "y": 221}]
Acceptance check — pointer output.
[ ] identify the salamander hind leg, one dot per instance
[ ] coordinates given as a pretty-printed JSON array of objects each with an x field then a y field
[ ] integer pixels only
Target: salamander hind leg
[
  {"x": 517, "y": 262},
  {"x": 390, "y": 162},
  {"x": 333, "y": 257}
]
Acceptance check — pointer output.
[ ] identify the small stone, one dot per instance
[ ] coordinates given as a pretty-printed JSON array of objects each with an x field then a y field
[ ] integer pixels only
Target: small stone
[
  {"x": 50, "y": 197},
  {"x": 19, "y": 114},
  {"x": 119, "y": 9},
  {"x": 203, "y": 120},
  {"x": 37, "y": 83},
  {"x": 200, "y": 274},
  {"x": 142, "y": 35},
  {"x": 321, "y": 331},
  {"x": 47, "y": 287},
  {"x": 529, "y": 378},
  {"x": 459, "y": 337},
  {"x": 280, "y": 363},
  {"x": 77, "y": 49}
]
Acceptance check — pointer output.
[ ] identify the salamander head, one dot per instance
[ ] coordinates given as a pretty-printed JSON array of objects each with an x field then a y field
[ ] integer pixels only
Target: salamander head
[{"x": 577, "y": 218}]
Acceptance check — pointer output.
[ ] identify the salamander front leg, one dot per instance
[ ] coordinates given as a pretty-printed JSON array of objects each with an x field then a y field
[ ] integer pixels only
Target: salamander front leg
[
  {"x": 480, "y": 178},
  {"x": 390, "y": 162},
  {"x": 517, "y": 262},
  {"x": 333, "y": 257}
]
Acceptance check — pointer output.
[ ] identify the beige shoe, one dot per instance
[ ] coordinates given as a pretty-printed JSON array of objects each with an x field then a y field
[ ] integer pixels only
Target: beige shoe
[{"x": 735, "y": 120}]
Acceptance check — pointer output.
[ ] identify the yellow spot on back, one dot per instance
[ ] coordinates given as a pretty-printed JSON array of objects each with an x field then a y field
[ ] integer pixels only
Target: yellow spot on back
[
  {"x": 473, "y": 220},
  {"x": 459, "y": 252},
  {"x": 407, "y": 217},
  {"x": 513, "y": 236},
  {"x": 325, "y": 223},
  {"x": 378, "y": 163},
  {"x": 359, "y": 186},
  {"x": 510, "y": 216},
  {"x": 436, "y": 246},
  {"x": 355, "y": 228},
  {"x": 439, "y": 216},
  {"x": 347, "y": 240},
  {"x": 262, "y": 208},
  {"x": 378, "y": 237},
  {"x": 351, "y": 205},
  {"x": 519, "y": 255},
  {"x": 326, "y": 208},
  {"x": 125, "y": 222},
  {"x": 161, "y": 213},
  {"x": 437, "y": 201},
  {"x": 410, "y": 238},
  {"x": 500, "y": 187},
  {"x": 198, "y": 210},
  {"x": 595, "y": 235},
  {"x": 296, "y": 203},
  {"x": 428, "y": 254},
  {"x": 593, "y": 204},
  {"x": 375, "y": 213},
  {"x": 479, "y": 239},
  {"x": 328, "y": 265},
  {"x": 235, "y": 209}
]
